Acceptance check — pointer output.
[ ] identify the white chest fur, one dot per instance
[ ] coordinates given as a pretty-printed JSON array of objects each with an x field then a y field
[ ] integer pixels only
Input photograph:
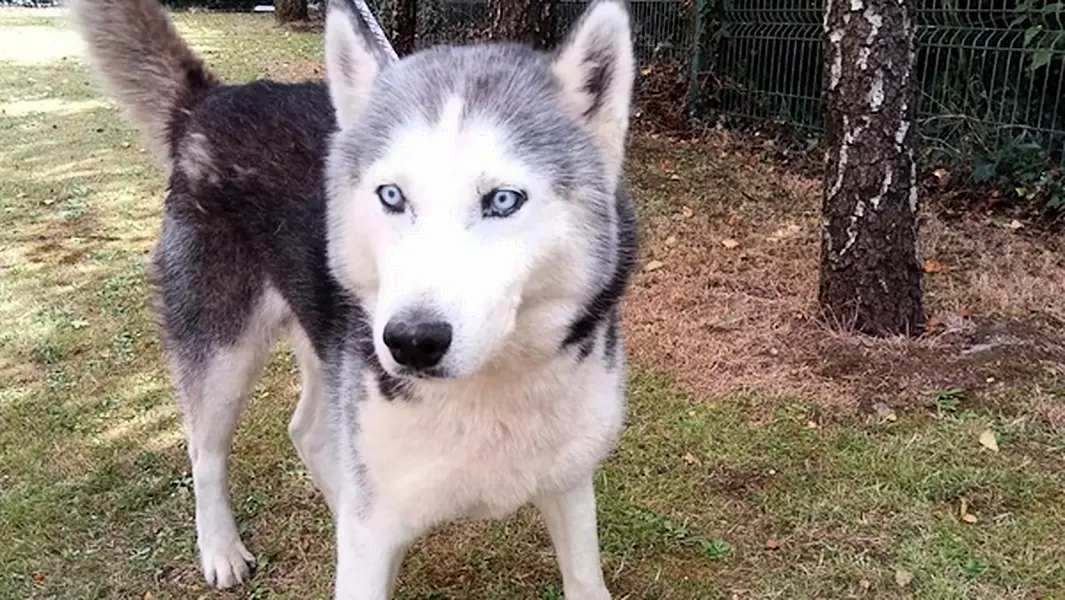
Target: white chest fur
[{"x": 483, "y": 449}]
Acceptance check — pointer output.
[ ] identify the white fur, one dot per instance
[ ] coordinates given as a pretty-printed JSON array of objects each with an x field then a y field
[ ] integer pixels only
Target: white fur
[
  {"x": 516, "y": 422},
  {"x": 212, "y": 405},
  {"x": 478, "y": 448},
  {"x": 350, "y": 66},
  {"x": 441, "y": 254}
]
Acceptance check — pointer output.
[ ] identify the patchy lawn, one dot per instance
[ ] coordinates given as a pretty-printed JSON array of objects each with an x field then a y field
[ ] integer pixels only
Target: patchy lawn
[{"x": 765, "y": 457}]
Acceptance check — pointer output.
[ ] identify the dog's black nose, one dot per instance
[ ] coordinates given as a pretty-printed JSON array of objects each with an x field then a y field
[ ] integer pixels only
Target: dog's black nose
[{"x": 417, "y": 344}]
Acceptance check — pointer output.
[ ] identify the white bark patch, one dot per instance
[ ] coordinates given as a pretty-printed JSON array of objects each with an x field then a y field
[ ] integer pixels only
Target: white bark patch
[
  {"x": 913, "y": 184},
  {"x": 856, "y": 5},
  {"x": 876, "y": 91},
  {"x": 841, "y": 164},
  {"x": 904, "y": 128},
  {"x": 852, "y": 228},
  {"x": 824, "y": 18},
  {"x": 836, "y": 71},
  {"x": 875, "y": 22},
  {"x": 889, "y": 178}
]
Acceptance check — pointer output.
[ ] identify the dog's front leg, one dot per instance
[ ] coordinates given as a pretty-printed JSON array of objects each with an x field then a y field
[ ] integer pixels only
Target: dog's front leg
[
  {"x": 369, "y": 554},
  {"x": 571, "y": 523}
]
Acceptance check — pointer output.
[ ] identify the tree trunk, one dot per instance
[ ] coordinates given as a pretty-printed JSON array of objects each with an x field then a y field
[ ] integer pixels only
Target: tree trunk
[
  {"x": 404, "y": 25},
  {"x": 287, "y": 11},
  {"x": 527, "y": 21},
  {"x": 871, "y": 274}
]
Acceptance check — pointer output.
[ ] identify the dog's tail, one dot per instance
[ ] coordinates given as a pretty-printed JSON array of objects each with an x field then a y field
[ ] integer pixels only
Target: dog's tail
[{"x": 137, "y": 57}]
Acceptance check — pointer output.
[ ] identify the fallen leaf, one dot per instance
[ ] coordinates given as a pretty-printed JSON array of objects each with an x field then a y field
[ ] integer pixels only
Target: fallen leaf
[
  {"x": 865, "y": 583},
  {"x": 941, "y": 174},
  {"x": 675, "y": 177},
  {"x": 671, "y": 241},
  {"x": 1015, "y": 225},
  {"x": 903, "y": 578},
  {"x": 39, "y": 578},
  {"x": 772, "y": 544},
  {"x": 784, "y": 233},
  {"x": 687, "y": 212},
  {"x": 690, "y": 458},
  {"x": 932, "y": 266},
  {"x": 989, "y": 441},
  {"x": 733, "y": 221},
  {"x": 147, "y": 596},
  {"x": 729, "y": 243},
  {"x": 965, "y": 514},
  {"x": 654, "y": 265}
]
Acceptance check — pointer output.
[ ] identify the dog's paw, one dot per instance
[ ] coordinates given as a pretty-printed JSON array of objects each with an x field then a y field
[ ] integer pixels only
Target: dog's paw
[{"x": 226, "y": 565}]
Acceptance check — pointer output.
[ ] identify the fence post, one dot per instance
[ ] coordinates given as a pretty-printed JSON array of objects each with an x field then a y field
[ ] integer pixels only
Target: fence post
[{"x": 696, "y": 57}]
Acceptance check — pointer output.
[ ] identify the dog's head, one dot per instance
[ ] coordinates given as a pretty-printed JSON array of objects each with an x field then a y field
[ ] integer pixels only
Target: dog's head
[{"x": 472, "y": 189}]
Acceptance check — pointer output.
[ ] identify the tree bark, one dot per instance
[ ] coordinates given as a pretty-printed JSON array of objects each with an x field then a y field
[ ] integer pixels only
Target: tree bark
[
  {"x": 531, "y": 22},
  {"x": 404, "y": 25},
  {"x": 287, "y": 11},
  {"x": 871, "y": 277}
]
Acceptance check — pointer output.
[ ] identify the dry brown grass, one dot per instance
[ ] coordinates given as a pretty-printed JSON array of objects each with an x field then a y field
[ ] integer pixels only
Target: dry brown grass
[
  {"x": 729, "y": 309},
  {"x": 297, "y": 71}
]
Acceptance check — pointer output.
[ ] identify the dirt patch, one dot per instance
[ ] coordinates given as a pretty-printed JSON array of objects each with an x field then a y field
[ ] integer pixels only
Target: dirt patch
[
  {"x": 295, "y": 72},
  {"x": 728, "y": 285}
]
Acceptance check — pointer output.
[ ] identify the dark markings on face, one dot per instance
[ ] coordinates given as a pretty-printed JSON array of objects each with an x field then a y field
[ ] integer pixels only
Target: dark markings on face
[
  {"x": 610, "y": 340},
  {"x": 584, "y": 350},
  {"x": 390, "y": 387},
  {"x": 608, "y": 297}
]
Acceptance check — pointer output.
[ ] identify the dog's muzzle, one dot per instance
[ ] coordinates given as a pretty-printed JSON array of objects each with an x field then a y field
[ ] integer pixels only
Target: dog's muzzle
[{"x": 418, "y": 344}]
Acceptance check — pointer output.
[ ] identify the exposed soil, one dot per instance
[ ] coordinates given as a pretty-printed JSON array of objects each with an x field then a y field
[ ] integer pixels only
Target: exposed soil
[{"x": 728, "y": 285}]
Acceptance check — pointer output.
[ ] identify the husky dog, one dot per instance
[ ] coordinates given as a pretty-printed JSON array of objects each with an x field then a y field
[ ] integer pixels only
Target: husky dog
[{"x": 444, "y": 239}]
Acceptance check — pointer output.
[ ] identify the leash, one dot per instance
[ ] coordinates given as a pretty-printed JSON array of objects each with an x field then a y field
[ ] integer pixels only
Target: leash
[{"x": 375, "y": 27}]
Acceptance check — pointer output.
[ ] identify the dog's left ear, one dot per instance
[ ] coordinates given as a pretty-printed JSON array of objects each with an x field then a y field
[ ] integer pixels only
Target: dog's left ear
[
  {"x": 596, "y": 67},
  {"x": 353, "y": 58}
]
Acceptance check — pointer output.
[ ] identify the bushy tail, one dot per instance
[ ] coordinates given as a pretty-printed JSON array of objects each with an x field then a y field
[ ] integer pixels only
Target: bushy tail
[{"x": 138, "y": 58}]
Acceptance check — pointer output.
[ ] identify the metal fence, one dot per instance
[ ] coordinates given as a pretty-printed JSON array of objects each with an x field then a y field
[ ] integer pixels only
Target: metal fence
[
  {"x": 660, "y": 26},
  {"x": 991, "y": 71}
]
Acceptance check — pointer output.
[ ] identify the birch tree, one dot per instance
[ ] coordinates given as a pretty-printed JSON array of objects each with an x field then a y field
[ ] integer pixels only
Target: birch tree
[{"x": 871, "y": 276}]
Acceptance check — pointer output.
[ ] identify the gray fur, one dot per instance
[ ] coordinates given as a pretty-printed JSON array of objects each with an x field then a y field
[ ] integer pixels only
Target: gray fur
[{"x": 140, "y": 61}]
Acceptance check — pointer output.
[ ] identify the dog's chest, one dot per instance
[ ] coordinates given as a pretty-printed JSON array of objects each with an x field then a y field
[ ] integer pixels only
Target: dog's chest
[{"x": 486, "y": 452}]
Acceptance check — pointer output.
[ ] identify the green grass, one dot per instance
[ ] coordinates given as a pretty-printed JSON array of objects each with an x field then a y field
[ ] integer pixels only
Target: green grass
[{"x": 95, "y": 497}]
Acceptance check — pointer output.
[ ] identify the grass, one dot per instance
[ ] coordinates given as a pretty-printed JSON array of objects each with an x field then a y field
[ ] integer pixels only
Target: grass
[{"x": 732, "y": 494}]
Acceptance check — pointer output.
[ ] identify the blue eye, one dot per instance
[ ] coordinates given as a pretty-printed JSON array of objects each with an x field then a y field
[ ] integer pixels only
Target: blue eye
[
  {"x": 392, "y": 198},
  {"x": 502, "y": 202}
]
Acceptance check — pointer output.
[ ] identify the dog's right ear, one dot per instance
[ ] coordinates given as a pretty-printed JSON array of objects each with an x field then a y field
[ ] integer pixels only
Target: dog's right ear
[{"x": 353, "y": 58}]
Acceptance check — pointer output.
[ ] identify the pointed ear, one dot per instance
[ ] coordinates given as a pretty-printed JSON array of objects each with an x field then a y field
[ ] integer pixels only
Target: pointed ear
[
  {"x": 353, "y": 58},
  {"x": 596, "y": 67}
]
